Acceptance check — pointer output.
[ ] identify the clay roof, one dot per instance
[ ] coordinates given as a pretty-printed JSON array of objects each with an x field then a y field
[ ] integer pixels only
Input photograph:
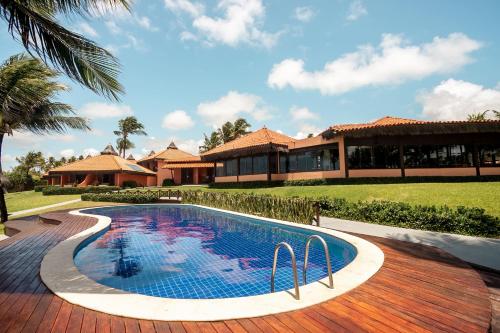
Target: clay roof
[
  {"x": 385, "y": 121},
  {"x": 170, "y": 154},
  {"x": 109, "y": 150},
  {"x": 102, "y": 163},
  {"x": 131, "y": 157},
  {"x": 403, "y": 126},
  {"x": 260, "y": 138},
  {"x": 188, "y": 165}
]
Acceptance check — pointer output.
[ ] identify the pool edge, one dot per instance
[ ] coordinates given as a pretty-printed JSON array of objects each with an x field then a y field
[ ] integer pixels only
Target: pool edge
[{"x": 62, "y": 277}]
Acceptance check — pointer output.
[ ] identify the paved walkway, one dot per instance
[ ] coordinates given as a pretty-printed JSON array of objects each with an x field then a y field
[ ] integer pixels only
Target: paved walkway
[
  {"x": 476, "y": 250},
  {"x": 32, "y": 210}
]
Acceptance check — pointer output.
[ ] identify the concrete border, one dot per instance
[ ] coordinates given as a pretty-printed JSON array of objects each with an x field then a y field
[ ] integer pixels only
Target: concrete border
[{"x": 62, "y": 277}]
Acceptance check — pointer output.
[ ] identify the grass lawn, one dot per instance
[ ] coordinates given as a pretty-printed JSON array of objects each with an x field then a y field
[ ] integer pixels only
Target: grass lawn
[
  {"x": 31, "y": 199},
  {"x": 474, "y": 194}
]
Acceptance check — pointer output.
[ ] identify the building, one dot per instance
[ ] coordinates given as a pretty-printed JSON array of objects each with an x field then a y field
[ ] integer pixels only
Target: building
[
  {"x": 105, "y": 169},
  {"x": 387, "y": 147},
  {"x": 178, "y": 166}
]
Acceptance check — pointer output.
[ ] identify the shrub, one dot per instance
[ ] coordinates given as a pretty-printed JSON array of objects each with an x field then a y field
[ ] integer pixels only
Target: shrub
[
  {"x": 461, "y": 220},
  {"x": 301, "y": 210},
  {"x": 39, "y": 188},
  {"x": 127, "y": 197},
  {"x": 167, "y": 182},
  {"x": 130, "y": 184},
  {"x": 58, "y": 190}
]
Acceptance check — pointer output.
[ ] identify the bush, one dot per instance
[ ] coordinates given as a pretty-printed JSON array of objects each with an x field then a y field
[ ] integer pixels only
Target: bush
[
  {"x": 127, "y": 197},
  {"x": 58, "y": 190},
  {"x": 39, "y": 188},
  {"x": 130, "y": 184},
  {"x": 355, "y": 181},
  {"x": 462, "y": 220},
  {"x": 167, "y": 183},
  {"x": 300, "y": 210}
]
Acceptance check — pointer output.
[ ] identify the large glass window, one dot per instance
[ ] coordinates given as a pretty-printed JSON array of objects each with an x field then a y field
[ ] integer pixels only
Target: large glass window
[
  {"x": 246, "y": 165},
  {"x": 231, "y": 167},
  {"x": 260, "y": 164},
  {"x": 435, "y": 156},
  {"x": 489, "y": 156},
  {"x": 373, "y": 157},
  {"x": 313, "y": 160}
]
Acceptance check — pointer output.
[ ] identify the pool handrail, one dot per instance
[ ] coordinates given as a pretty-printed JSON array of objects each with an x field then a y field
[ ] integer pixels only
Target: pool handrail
[
  {"x": 294, "y": 267},
  {"x": 327, "y": 257}
]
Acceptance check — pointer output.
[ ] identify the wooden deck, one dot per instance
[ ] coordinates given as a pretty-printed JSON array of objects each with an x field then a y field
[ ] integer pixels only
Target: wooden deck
[{"x": 418, "y": 289}]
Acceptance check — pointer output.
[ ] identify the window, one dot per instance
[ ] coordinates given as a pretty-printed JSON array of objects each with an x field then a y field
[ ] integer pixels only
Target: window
[
  {"x": 246, "y": 165},
  {"x": 489, "y": 156},
  {"x": 231, "y": 167},
  {"x": 373, "y": 157},
  {"x": 435, "y": 156},
  {"x": 313, "y": 160},
  {"x": 260, "y": 164}
]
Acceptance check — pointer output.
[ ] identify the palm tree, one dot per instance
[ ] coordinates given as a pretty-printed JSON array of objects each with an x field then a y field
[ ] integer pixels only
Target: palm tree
[
  {"x": 210, "y": 142},
  {"x": 226, "y": 132},
  {"x": 230, "y": 131},
  {"x": 128, "y": 126},
  {"x": 34, "y": 23},
  {"x": 479, "y": 116},
  {"x": 27, "y": 91}
]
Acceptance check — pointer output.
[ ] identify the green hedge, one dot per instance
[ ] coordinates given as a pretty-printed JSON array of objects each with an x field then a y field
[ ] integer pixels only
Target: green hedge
[
  {"x": 57, "y": 190},
  {"x": 39, "y": 188},
  {"x": 355, "y": 181},
  {"x": 300, "y": 210},
  {"x": 167, "y": 182},
  {"x": 461, "y": 220},
  {"x": 145, "y": 197},
  {"x": 129, "y": 184}
]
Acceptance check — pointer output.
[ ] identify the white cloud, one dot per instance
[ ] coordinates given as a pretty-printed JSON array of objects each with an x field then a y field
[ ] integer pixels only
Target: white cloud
[
  {"x": 187, "y": 35},
  {"x": 145, "y": 22},
  {"x": 194, "y": 9},
  {"x": 91, "y": 152},
  {"x": 304, "y": 14},
  {"x": 299, "y": 114},
  {"x": 67, "y": 153},
  {"x": 240, "y": 23},
  {"x": 455, "y": 99},
  {"x": 29, "y": 140},
  {"x": 85, "y": 29},
  {"x": 177, "y": 120},
  {"x": 232, "y": 106},
  {"x": 307, "y": 129},
  {"x": 393, "y": 61},
  {"x": 356, "y": 10},
  {"x": 191, "y": 145},
  {"x": 113, "y": 27},
  {"x": 105, "y": 110}
]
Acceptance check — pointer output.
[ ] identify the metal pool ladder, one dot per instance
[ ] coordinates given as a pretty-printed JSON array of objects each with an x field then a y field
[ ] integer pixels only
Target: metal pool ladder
[
  {"x": 327, "y": 257},
  {"x": 294, "y": 267}
]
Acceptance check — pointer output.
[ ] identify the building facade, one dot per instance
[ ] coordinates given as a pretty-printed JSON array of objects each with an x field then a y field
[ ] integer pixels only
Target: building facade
[{"x": 387, "y": 147}]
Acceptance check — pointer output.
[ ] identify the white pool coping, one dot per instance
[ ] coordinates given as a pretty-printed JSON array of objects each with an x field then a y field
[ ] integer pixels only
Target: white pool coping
[{"x": 62, "y": 277}]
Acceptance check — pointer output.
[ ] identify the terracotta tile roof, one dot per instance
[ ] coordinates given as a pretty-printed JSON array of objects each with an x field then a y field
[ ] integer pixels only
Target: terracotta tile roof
[
  {"x": 108, "y": 163},
  {"x": 188, "y": 165},
  {"x": 170, "y": 154},
  {"x": 258, "y": 138},
  {"x": 382, "y": 122}
]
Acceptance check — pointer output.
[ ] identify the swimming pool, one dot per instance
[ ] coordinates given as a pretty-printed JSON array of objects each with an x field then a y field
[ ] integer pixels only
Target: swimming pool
[{"x": 191, "y": 252}]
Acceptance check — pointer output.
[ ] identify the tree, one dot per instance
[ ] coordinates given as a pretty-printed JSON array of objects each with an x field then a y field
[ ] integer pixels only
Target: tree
[
  {"x": 127, "y": 126},
  {"x": 32, "y": 162},
  {"x": 27, "y": 91},
  {"x": 478, "y": 116},
  {"x": 230, "y": 131},
  {"x": 210, "y": 142},
  {"x": 34, "y": 23}
]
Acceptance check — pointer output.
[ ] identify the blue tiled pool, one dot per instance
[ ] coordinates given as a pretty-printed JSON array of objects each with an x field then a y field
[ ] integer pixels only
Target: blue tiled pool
[{"x": 181, "y": 251}]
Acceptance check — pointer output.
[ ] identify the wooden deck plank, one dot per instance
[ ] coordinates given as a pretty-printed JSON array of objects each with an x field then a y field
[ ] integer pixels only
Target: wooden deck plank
[{"x": 418, "y": 289}]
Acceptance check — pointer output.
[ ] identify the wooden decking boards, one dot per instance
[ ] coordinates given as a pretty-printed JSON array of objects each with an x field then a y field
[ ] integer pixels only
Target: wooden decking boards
[{"x": 418, "y": 289}]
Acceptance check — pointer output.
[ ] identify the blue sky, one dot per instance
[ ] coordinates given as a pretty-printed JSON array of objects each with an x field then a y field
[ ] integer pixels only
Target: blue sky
[{"x": 294, "y": 66}]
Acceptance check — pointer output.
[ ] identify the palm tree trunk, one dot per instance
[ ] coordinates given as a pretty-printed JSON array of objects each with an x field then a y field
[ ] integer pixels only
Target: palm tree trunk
[{"x": 4, "y": 215}]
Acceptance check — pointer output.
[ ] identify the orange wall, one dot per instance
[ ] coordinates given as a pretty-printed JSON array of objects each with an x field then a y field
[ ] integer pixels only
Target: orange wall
[
  {"x": 89, "y": 180},
  {"x": 314, "y": 175},
  {"x": 375, "y": 173},
  {"x": 253, "y": 178},
  {"x": 441, "y": 172},
  {"x": 162, "y": 174},
  {"x": 226, "y": 179},
  {"x": 493, "y": 171},
  {"x": 141, "y": 180}
]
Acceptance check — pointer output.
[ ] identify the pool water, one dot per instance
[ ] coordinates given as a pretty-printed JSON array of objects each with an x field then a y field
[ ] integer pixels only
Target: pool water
[{"x": 182, "y": 251}]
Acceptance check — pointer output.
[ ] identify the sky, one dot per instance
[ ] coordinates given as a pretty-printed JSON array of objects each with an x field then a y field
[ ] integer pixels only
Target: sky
[{"x": 292, "y": 66}]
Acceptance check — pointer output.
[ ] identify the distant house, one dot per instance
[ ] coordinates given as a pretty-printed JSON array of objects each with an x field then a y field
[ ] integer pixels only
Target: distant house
[
  {"x": 179, "y": 166},
  {"x": 387, "y": 147},
  {"x": 107, "y": 168}
]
